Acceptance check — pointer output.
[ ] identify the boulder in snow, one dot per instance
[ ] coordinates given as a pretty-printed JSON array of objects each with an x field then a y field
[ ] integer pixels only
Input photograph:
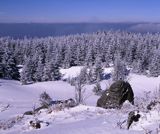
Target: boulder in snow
[{"x": 117, "y": 94}]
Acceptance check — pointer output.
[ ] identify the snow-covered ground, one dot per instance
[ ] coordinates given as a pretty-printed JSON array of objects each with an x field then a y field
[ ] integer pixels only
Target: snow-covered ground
[{"x": 15, "y": 99}]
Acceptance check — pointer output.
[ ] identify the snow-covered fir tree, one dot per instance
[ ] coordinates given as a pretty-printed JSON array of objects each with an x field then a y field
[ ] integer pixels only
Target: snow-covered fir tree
[
  {"x": 27, "y": 72},
  {"x": 97, "y": 70},
  {"x": 155, "y": 64},
  {"x": 119, "y": 70},
  {"x": 55, "y": 73},
  {"x": 39, "y": 70},
  {"x": 8, "y": 65}
]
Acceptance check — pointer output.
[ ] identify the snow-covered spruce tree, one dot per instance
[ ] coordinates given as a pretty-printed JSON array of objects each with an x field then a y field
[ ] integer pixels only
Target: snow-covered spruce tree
[
  {"x": 11, "y": 70},
  {"x": 46, "y": 73},
  {"x": 38, "y": 62},
  {"x": 97, "y": 71},
  {"x": 67, "y": 59},
  {"x": 131, "y": 52},
  {"x": 1, "y": 58},
  {"x": 39, "y": 70},
  {"x": 1, "y": 54},
  {"x": 154, "y": 67},
  {"x": 89, "y": 60},
  {"x": 54, "y": 71},
  {"x": 27, "y": 72},
  {"x": 47, "y": 65},
  {"x": 80, "y": 56},
  {"x": 49, "y": 52},
  {"x": 9, "y": 67},
  {"x": 119, "y": 71},
  {"x": 1, "y": 70},
  {"x": 138, "y": 66},
  {"x": 19, "y": 51},
  {"x": 73, "y": 56},
  {"x": 45, "y": 99},
  {"x": 51, "y": 71}
]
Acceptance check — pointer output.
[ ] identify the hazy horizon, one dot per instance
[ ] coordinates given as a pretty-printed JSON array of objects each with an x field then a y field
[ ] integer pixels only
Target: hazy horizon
[
  {"x": 74, "y": 22},
  {"x": 19, "y": 30}
]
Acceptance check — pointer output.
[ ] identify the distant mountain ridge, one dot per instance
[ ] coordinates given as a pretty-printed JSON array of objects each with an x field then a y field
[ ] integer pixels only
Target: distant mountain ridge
[{"x": 19, "y": 30}]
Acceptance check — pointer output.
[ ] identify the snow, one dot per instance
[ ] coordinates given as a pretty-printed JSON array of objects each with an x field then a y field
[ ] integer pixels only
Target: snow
[
  {"x": 108, "y": 70},
  {"x": 78, "y": 120},
  {"x": 71, "y": 72},
  {"x": 142, "y": 83},
  {"x": 15, "y": 99}
]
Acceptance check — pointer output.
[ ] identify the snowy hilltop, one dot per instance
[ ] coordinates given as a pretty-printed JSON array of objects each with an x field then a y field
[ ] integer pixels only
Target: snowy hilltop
[{"x": 105, "y": 82}]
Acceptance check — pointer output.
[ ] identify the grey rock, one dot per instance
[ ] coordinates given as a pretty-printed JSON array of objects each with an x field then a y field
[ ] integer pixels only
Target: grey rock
[
  {"x": 116, "y": 95},
  {"x": 133, "y": 116},
  {"x": 35, "y": 124},
  {"x": 29, "y": 113}
]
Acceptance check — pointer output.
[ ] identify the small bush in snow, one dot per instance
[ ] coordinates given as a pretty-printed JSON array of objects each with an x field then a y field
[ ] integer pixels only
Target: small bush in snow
[
  {"x": 59, "y": 105},
  {"x": 150, "y": 101},
  {"x": 97, "y": 89},
  {"x": 56, "y": 107},
  {"x": 45, "y": 99}
]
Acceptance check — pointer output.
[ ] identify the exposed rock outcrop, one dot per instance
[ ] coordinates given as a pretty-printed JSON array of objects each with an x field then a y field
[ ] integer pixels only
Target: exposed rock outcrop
[{"x": 116, "y": 95}]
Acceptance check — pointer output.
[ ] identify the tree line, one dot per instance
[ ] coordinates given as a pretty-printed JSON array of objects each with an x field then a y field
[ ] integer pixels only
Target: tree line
[{"x": 42, "y": 57}]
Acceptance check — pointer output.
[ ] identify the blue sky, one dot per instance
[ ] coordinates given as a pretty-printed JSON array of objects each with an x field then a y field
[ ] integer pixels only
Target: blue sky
[{"x": 79, "y": 11}]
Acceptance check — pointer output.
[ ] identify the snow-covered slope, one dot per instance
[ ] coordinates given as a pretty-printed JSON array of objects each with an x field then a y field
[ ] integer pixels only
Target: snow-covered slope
[{"x": 15, "y": 99}]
